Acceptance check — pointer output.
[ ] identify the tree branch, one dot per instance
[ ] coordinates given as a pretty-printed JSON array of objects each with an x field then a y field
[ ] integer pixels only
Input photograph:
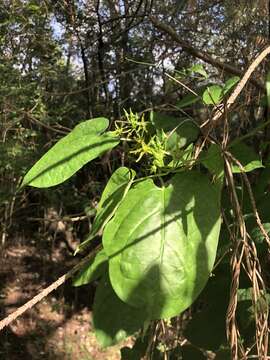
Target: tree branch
[
  {"x": 60, "y": 281},
  {"x": 198, "y": 53}
]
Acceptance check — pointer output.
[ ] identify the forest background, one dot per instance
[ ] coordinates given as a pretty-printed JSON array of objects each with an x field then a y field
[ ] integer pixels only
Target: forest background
[{"x": 67, "y": 61}]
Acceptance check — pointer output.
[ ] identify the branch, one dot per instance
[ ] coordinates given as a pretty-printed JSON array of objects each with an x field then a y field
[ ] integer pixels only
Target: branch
[
  {"x": 237, "y": 91},
  {"x": 60, "y": 281},
  {"x": 198, "y": 53}
]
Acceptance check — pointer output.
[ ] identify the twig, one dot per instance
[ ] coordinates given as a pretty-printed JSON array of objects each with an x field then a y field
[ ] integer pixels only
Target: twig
[
  {"x": 60, "y": 281},
  {"x": 238, "y": 88},
  {"x": 199, "y": 53},
  {"x": 252, "y": 199}
]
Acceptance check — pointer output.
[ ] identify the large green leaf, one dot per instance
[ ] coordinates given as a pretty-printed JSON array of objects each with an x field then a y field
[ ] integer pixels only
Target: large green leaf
[
  {"x": 181, "y": 136},
  {"x": 113, "y": 319},
  {"x": 115, "y": 190},
  {"x": 92, "y": 271},
  {"x": 162, "y": 243},
  {"x": 86, "y": 142}
]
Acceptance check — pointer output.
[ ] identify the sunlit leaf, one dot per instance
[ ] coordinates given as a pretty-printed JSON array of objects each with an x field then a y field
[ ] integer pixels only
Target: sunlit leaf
[
  {"x": 86, "y": 142},
  {"x": 199, "y": 69},
  {"x": 116, "y": 188},
  {"x": 162, "y": 243},
  {"x": 212, "y": 95}
]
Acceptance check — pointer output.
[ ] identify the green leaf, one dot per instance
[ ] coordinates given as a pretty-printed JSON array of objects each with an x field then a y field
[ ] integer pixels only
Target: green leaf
[
  {"x": 187, "y": 100},
  {"x": 114, "y": 320},
  {"x": 213, "y": 160},
  {"x": 258, "y": 237},
  {"x": 162, "y": 243},
  {"x": 199, "y": 69},
  {"x": 163, "y": 121},
  {"x": 213, "y": 300},
  {"x": 33, "y": 7},
  {"x": 212, "y": 95},
  {"x": 67, "y": 156},
  {"x": 230, "y": 83},
  {"x": 114, "y": 192},
  {"x": 92, "y": 271},
  {"x": 246, "y": 156},
  {"x": 181, "y": 132},
  {"x": 181, "y": 136},
  {"x": 116, "y": 188}
]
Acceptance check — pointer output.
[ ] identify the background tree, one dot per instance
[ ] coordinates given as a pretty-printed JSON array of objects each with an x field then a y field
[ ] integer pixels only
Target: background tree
[{"x": 71, "y": 60}]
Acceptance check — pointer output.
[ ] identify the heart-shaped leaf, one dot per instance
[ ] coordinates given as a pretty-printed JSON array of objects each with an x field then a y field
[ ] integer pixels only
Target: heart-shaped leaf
[{"x": 162, "y": 243}]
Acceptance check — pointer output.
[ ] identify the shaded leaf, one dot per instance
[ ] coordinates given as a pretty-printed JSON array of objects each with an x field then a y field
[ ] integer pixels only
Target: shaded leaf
[
  {"x": 205, "y": 330},
  {"x": 92, "y": 271},
  {"x": 181, "y": 136},
  {"x": 213, "y": 160},
  {"x": 190, "y": 352},
  {"x": 259, "y": 239},
  {"x": 113, "y": 319},
  {"x": 115, "y": 190},
  {"x": 180, "y": 132},
  {"x": 162, "y": 243},
  {"x": 246, "y": 156},
  {"x": 164, "y": 121},
  {"x": 68, "y": 155},
  {"x": 187, "y": 100}
]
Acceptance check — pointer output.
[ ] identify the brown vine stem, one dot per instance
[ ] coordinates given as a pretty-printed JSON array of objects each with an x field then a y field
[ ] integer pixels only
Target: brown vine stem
[{"x": 60, "y": 281}]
